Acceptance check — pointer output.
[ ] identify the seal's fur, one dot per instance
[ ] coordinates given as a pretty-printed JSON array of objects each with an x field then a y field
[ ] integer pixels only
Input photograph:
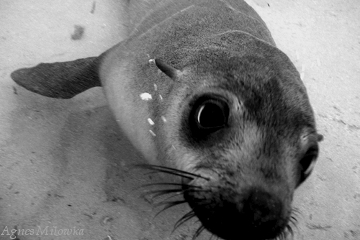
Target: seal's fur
[{"x": 228, "y": 111}]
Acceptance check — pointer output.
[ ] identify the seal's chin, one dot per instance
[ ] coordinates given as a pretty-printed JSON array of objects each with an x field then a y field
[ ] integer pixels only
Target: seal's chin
[{"x": 231, "y": 215}]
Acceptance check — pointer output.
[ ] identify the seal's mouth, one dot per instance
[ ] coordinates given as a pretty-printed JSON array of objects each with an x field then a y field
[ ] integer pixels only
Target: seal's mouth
[{"x": 224, "y": 212}]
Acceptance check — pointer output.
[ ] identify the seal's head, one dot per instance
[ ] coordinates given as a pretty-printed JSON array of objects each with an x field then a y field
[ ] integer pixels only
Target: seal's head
[{"x": 242, "y": 134}]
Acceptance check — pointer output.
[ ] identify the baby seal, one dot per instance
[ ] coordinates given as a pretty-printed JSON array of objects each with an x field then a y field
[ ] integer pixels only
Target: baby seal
[{"x": 201, "y": 90}]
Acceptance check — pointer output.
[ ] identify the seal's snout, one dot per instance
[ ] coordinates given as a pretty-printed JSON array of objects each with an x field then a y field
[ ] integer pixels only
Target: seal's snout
[
  {"x": 233, "y": 215},
  {"x": 264, "y": 212}
]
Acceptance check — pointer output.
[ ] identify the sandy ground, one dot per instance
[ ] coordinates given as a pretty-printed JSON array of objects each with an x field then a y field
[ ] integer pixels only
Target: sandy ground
[{"x": 64, "y": 164}]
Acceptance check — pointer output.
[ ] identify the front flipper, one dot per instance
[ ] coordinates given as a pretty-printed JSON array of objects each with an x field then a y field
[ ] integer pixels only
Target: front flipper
[{"x": 60, "y": 79}]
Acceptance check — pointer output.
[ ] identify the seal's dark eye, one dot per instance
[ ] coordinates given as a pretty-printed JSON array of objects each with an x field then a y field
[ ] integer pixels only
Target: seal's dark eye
[
  {"x": 212, "y": 114},
  {"x": 307, "y": 162},
  {"x": 208, "y": 115}
]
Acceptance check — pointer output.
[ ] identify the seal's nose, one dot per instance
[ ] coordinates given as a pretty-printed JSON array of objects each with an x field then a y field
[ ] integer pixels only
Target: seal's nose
[
  {"x": 264, "y": 213},
  {"x": 232, "y": 215}
]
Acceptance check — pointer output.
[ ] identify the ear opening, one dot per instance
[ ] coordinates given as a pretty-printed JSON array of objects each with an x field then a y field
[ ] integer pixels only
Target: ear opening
[
  {"x": 59, "y": 79},
  {"x": 170, "y": 71}
]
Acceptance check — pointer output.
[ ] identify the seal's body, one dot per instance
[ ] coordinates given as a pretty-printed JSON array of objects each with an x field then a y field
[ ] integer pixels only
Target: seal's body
[{"x": 201, "y": 90}]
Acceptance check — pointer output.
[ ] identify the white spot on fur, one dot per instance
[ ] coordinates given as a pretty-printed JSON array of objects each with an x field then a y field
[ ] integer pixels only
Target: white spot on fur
[
  {"x": 152, "y": 61},
  {"x": 146, "y": 96},
  {"x": 164, "y": 119},
  {"x": 151, "y": 122},
  {"x": 155, "y": 86},
  {"x": 161, "y": 98},
  {"x": 152, "y": 133}
]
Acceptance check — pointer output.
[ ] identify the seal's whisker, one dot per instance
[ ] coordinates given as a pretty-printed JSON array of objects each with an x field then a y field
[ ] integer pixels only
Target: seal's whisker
[
  {"x": 172, "y": 171},
  {"x": 164, "y": 201},
  {"x": 296, "y": 212},
  {"x": 183, "y": 220},
  {"x": 282, "y": 236},
  {"x": 171, "y": 196},
  {"x": 180, "y": 185},
  {"x": 174, "y": 193},
  {"x": 198, "y": 232},
  {"x": 289, "y": 230},
  {"x": 159, "y": 193},
  {"x": 169, "y": 205},
  {"x": 169, "y": 184},
  {"x": 293, "y": 218},
  {"x": 177, "y": 191}
]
